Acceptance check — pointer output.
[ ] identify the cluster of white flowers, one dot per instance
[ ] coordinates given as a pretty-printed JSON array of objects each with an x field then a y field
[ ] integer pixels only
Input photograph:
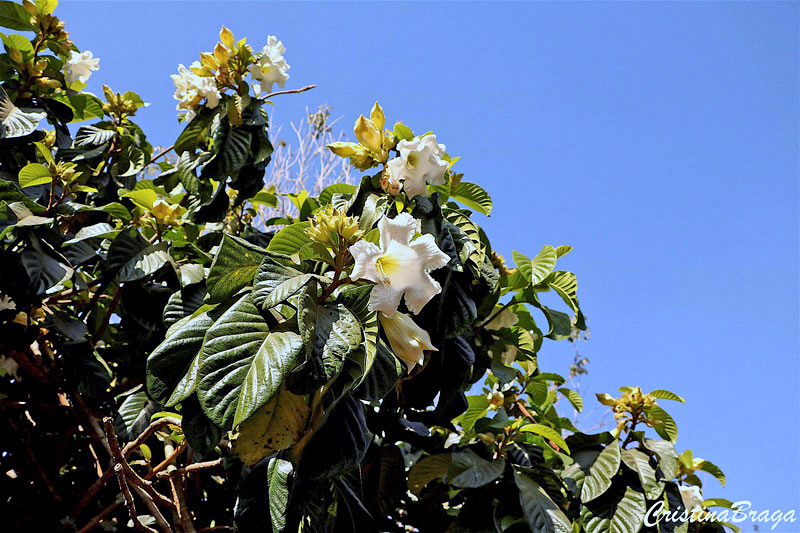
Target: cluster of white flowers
[
  {"x": 270, "y": 68},
  {"x": 420, "y": 163},
  {"x": 79, "y": 66},
  {"x": 190, "y": 89}
]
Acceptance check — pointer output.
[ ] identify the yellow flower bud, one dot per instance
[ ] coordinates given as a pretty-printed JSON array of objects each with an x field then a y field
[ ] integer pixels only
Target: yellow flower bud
[
  {"x": 406, "y": 338},
  {"x": 208, "y": 60},
  {"x": 165, "y": 213},
  {"x": 221, "y": 54},
  {"x": 367, "y": 134},
  {"x": 377, "y": 117},
  {"x": 496, "y": 399},
  {"x": 226, "y": 37},
  {"x": 343, "y": 149}
]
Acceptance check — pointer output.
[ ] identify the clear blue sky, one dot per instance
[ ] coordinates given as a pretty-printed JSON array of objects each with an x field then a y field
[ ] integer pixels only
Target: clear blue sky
[{"x": 659, "y": 139}]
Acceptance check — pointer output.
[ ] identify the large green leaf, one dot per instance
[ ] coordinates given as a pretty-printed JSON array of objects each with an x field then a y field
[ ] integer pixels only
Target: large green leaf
[
  {"x": 232, "y": 146},
  {"x": 133, "y": 257},
  {"x": 186, "y": 386},
  {"x": 541, "y": 512},
  {"x": 566, "y": 285},
  {"x": 84, "y": 106},
  {"x": 537, "y": 269},
  {"x": 473, "y": 196},
  {"x": 101, "y": 229},
  {"x": 477, "y": 408},
  {"x": 14, "y": 16},
  {"x": 619, "y": 511},
  {"x": 710, "y": 468},
  {"x": 276, "y": 356},
  {"x": 666, "y": 428},
  {"x": 469, "y": 471},
  {"x": 286, "y": 289},
  {"x": 598, "y": 478},
  {"x": 234, "y": 267},
  {"x": 290, "y": 239},
  {"x": 662, "y": 394},
  {"x": 548, "y": 433},
  {"x": 357, "y": 302},
  {"x": 34, "y": 174},
  {"x": 278, "y": 473},
  {"x": 10, "y": 193},
  {"x": 428, "y": 469},
  {"x": 242, "y": 364},
  {"x": 573, "y": 397},
  {"x": 640, "y": 463},
  {"x": 383, "y": 375},
  {"x": 170, "y": 361},
  {"x": 274, "y": 270},
  {"x": 667, "y": 457},
  {"x": 338, "y": 334}
]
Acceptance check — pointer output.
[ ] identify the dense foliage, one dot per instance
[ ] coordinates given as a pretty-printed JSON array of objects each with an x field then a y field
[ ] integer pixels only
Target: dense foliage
[{"x": 366, "y": 362}]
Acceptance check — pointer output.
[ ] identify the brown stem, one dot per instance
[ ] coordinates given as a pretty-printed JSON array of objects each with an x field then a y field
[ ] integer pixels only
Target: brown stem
[
  {"x": 161, "y": 154},
  {"x": 126, "y": 493},
  {"x": 291, "y": 91},
  {"x": 99, "y": 517},
  {"x": 184, "y": 515}
]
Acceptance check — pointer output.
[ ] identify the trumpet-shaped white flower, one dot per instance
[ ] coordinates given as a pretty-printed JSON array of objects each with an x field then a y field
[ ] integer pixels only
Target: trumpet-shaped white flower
[
  {"x": 79, "y": 66},
  {"x": 271, "y": 67},
  {"x": 407, "y": 339},
  {"x": 398, "y": 267},
  {"x": 190, "y": 89},
  {"x": 420, "y": 163},
  {"x": 691, "y": 497}
]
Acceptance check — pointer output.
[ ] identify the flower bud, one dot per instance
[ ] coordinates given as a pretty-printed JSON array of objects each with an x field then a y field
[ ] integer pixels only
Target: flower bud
[
  {"x": 226, "y": 37},
  {"x": 496, "y": 399},
  {"x": 406, "y": 338},
  {"x": 221, "y": 54},
  {"x": 343, "y": 149},
  {"x": 367, "y": 134},
  {"x": 377, "y": 117}
]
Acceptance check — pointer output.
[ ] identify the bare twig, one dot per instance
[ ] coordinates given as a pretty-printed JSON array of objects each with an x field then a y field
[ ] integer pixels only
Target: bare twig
[
  {"x": 126, "y": 493},
  {"x": 161, "y": 154},
  {"x": 291, "y": 91},
  {"x": 184, "y": 515}
]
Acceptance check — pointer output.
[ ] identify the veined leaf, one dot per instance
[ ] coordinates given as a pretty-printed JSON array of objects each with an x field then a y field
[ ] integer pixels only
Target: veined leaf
[
  {"x": 101, "y": 229},
  {"x": 640, "y": 463},
  {"x": 667, "y": 458},
  {"x": 473, "y": 196},
  {"x": 477, "y": 408},
  {"x": 290, "y": 239},
  {"x": 234, "y": 267},
  {"x": 710, "y": 468},
  {"x": 667, "y": 428},
  {"x": 566, "y": 285},
  {"x": 666, "y": 395},
  {"x": 278, "y": 491},
  {"x": 548, "y": 433},
  {"x": 541, "y": 512},
  {"x": 34, "y": 174},
  {"x": 599, "y": 475},
  {"x": 428, "y": 469},
  {"x": 468, "y": 470},
  {"x": 573, "y": 397},
  {"x": 284, "y": 290},
  {"x": 620, "y": 511},
  {"x": 274, "y": 270}
]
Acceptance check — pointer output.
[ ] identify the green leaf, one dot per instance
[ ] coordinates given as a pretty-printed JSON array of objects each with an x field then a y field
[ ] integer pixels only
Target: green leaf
[
  {"x": 710, "y": 468},
  {"x": 186, "y": 385},
  {"x": 84, "y": 106},
  {"x": 338, "y": 334},
  {"x": 477, "y": 408},
  {"x": 101, "y": 229},
  {"x": 171, "y": 360},
  {"x": 189, "y": 137},
  {"x": 541, "y": 512},
  {"x": 286, "y": 289},
  {"x": 667, "y": 458},
  {"x": 93, "y": 136},
  {"x": 428, "y": 469},
  {"x": 667, "y": 429},
  {"x": 34, "y": 174},
  {"x": 46, "y": 7},
  {"x": 233, "y": 268},
  {"x": 473, "y": 196},
  {"x": 566, "y": 285},
  {"x": 620, "y": 511},
  {"x": 274, "y": 270},
  {"x": 718, "y": 502},
  {"x": 10, "y": 193},
  {"x": 20, "y": 43},
  {"x": 131, "y": 410},
  {"x": 144, "y": 263},
  {"x": 548, "y": 433},
  {"x": 469, "y": 471},
  {"x": 562, "y": 250},
  {"x": 599, "y": 475},
  {"x": 573, "y": 397},
  {"x": 144, "y": 198},
  {"x": 267, "y": 198},
  {"x": 666, "y": 395},
  {"x": 402, "y": 132},
  {"x": 357, "y": 302},
  {"x": 290, "y": 239},
  {"x": 274, "y": 359},
  {"x": 308, "y": 312},
  {"x": 278, "y": 473},
  {"x": 382, "y": 377},
  {"x": 14, "y": 16},
  {"x": 541, "y": 265},
  {"x": 640, "y": 463},
  {"x": 326, "y": 196}
]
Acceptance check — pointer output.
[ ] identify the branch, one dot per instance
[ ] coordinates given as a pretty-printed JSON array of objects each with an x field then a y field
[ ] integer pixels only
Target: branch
[
  {"x": 126, "y": 493},
  {"x": 184, "y": 515},
  {"x": 161, "y": 154},
  {"x": 291, "y": 91}
]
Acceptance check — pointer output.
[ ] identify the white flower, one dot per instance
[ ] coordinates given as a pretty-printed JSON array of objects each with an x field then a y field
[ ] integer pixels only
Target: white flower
[
  {"x": 190, "y": 89},
  {"x": 407, "y": 339},
  {"x": 398, "y": 266},
  {"x": 420, "y": 162},
  {"x": 691, "y": 497},
  {"x": 79, "y": 66},
  {"x": 7, "y": 303},
  {"x": 270, "y": 68}
]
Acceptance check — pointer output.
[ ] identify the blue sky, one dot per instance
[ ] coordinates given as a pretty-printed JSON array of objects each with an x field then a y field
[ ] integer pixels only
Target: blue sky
[{"x": 658, "y": 139}]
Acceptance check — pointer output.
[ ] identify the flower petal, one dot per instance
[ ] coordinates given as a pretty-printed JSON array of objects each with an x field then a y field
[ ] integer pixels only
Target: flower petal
[
  {"x": 399, "y": 229},
  {"x": 384, "y": 298},
  {"x": 430, "y": 254},
  {"x": 365, "y": 254},
  {"x": 421, "y": 293}
]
